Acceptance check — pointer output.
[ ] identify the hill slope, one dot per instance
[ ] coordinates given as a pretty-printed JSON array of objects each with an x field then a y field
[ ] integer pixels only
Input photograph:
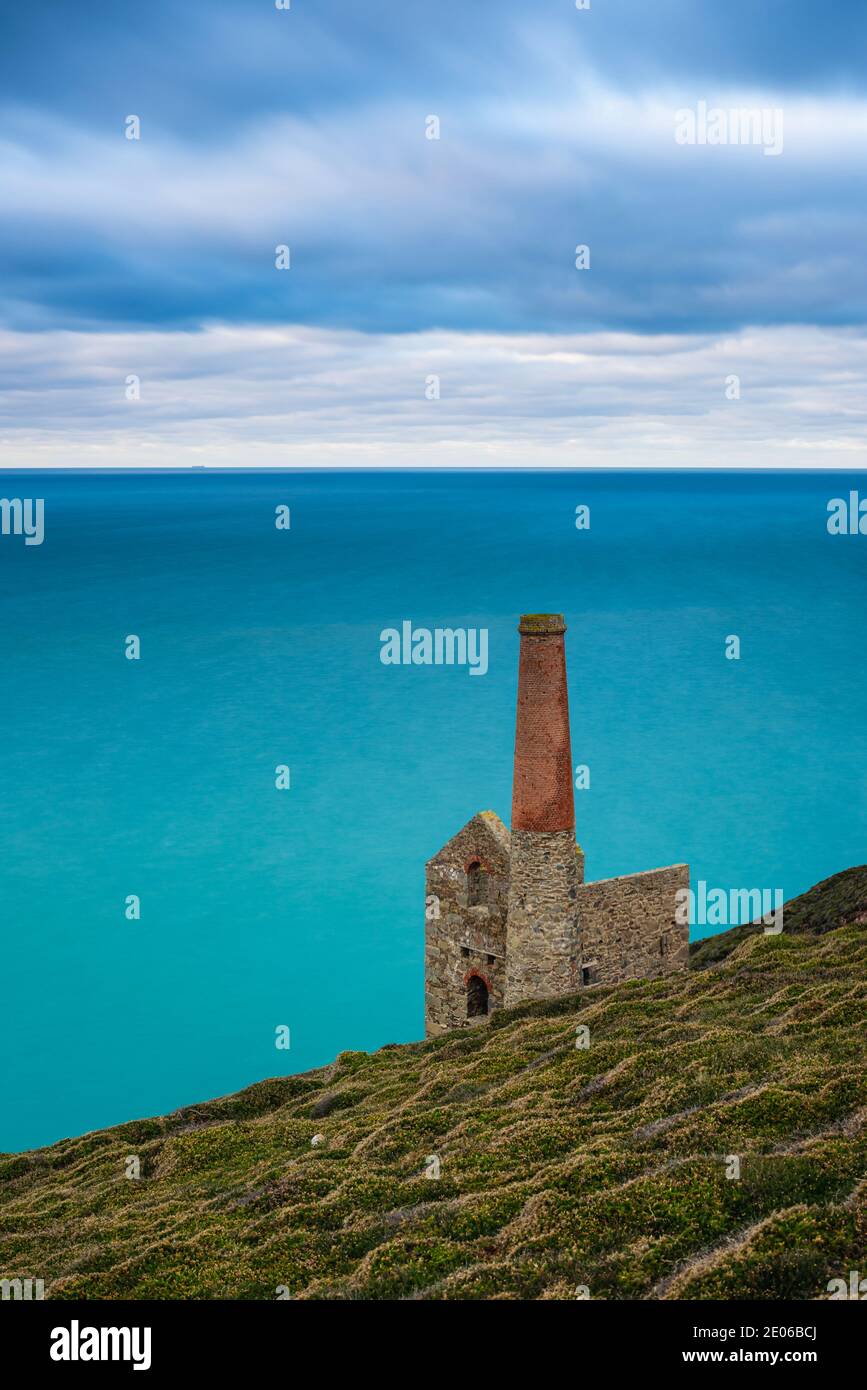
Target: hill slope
[
  {"x": 559, "y": 1166},
  {"x": 835, "y": 902}
]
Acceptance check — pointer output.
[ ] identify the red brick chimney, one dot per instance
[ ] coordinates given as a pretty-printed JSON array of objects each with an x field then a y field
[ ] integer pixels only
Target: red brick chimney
[
  {"x": 542, "y": 929},
  {"x": 542, "y": 785}
]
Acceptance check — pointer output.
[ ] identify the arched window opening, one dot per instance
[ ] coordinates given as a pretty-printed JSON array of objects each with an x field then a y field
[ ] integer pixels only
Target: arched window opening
[
  {"x": 477, "y": 885},
  {"x": 477, "y": 997}
]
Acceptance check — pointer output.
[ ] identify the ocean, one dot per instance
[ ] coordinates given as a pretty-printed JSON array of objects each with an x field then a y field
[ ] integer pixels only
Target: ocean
[{"x": 303, "y": 908}]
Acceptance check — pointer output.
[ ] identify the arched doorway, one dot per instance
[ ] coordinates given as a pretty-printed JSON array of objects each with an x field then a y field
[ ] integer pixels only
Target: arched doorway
[{"x": 477, "y": 997}]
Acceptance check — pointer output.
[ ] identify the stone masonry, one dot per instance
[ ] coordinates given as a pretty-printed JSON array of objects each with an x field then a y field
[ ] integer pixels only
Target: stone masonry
[
  {"x": 509, "y": 917},
  {"x": 628, "y": 928},
  {"x": 542, "y": 936},
  {"x": 464, "y": 938}
]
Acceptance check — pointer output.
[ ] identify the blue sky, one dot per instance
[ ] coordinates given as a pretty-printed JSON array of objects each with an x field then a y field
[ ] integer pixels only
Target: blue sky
[{"x": 307, "y": 128}]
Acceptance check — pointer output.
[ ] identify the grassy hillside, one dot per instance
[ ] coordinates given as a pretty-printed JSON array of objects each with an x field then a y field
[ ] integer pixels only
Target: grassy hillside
[
  {"x": 830, "y": 904},
  {"x": 559, "y": 1166}
]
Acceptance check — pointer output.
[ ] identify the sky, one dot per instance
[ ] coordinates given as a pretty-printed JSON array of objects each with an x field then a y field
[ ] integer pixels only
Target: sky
[{"x": 432, "y": 311}]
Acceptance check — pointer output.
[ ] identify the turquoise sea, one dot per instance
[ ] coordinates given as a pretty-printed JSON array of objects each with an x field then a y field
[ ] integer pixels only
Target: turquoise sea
[{"x": 260, "y": 647}]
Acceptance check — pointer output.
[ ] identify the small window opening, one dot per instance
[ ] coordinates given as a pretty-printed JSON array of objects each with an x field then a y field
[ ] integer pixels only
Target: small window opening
[
  {"x": 588, "y": 975},
  {"x": 465, "y": 951},
  {"x": 477, "y": 997},
  {"x": 490, "y": 960},
  {"x": 477, "y": 885}
]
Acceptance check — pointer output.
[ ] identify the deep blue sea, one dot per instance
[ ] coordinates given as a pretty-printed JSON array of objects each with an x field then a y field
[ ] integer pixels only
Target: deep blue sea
[{"x": 305, "y": 907}]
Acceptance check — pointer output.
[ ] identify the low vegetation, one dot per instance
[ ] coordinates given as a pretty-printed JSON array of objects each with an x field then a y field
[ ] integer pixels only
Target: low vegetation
[{"x": 609, "y": 1167}]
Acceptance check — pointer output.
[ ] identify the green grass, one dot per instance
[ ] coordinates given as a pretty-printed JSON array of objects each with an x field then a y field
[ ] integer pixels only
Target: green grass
[
  {"x": 559, "y": 1166},
  {"x": 833, "y": 903}
]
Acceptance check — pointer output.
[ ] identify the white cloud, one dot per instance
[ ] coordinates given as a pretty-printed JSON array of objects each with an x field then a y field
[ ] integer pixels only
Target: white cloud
[
  {"x": 297, "y": 396},
  {"x": 368, "y": 170}
]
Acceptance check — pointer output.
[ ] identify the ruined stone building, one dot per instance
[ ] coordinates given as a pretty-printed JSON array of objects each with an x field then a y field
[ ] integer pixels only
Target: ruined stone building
[{"x": 509, "y": 917}]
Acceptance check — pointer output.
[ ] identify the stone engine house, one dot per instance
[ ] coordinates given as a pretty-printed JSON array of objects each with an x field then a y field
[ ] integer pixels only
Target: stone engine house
[{"x": 509, "y": 917}]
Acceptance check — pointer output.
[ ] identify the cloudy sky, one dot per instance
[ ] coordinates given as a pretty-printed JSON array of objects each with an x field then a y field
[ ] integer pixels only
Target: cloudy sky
[{"x": 432, "y": 312}]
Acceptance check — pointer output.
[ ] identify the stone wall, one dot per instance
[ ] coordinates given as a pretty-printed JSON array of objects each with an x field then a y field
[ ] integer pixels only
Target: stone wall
[
  {"x": 542, "y": 937},
  {"x": 579, "y": 863},
  {"x": 561, "y": 932},
  {"x": 463, "y": 939},
  {"x": 628, "y": 927}
]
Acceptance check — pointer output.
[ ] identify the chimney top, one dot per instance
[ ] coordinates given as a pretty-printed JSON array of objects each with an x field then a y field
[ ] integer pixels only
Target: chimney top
[{"x": 541, "y": 624}]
